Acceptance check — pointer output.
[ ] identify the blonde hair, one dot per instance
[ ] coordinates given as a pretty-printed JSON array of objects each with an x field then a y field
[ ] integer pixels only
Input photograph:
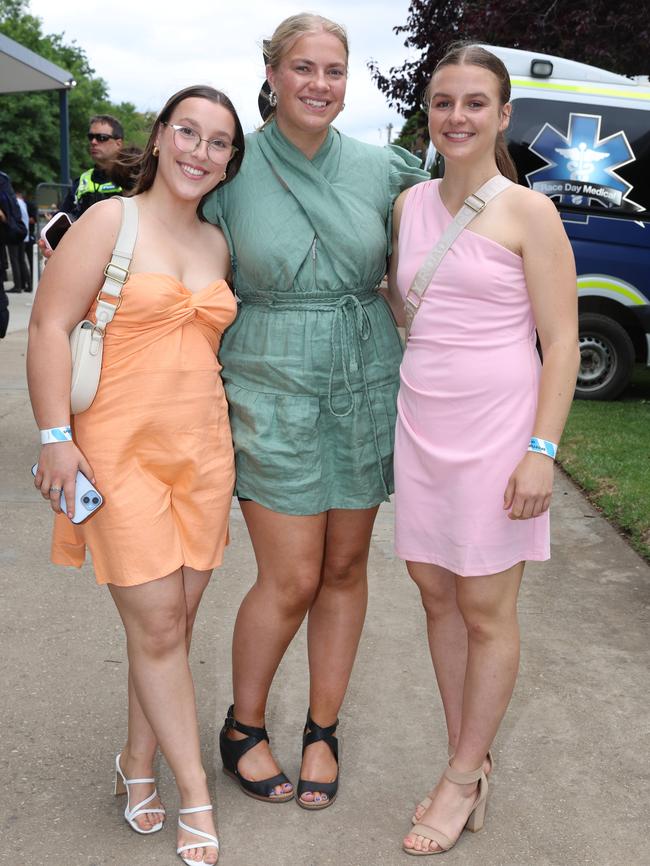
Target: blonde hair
[
  {"x": 289, "y": 31},
  {"x": 467, "y": 53}
]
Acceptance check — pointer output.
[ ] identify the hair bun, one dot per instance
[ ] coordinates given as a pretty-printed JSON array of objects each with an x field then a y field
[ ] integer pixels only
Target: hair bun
[{"x": 263, "y": 99}]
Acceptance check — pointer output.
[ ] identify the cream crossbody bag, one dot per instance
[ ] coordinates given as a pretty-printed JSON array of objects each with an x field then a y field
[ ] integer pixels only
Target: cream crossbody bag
[
  {"x": 472, "y": 206},
  {"x": 87, "y": 338}
]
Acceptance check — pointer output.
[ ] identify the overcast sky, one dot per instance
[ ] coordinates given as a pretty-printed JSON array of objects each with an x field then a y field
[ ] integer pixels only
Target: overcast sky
[{"x": 148, "y": 51}]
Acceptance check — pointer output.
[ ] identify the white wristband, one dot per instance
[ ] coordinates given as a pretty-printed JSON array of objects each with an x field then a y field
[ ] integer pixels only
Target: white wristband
[
  {"x": 56, "y": 434},
  {"x": 543, "y": 446}
]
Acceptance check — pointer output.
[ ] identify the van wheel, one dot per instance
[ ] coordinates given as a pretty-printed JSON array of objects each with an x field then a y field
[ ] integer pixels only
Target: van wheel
[{"x": 606, "y": 358}]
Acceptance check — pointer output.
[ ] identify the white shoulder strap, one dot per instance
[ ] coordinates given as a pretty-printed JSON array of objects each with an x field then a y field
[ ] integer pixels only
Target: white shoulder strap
[
  {"x": 116, "y": 272},
  {"x": 472, "y": 206}
]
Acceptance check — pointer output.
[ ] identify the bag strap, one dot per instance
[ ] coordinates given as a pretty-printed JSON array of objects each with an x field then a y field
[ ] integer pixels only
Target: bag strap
[
  {"x": 472, "y": 206},
  {"x": 116, "y": 272}
]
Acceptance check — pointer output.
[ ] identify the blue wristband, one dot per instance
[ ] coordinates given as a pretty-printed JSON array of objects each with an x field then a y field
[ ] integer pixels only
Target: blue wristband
[
  {"x": 56, "y": 434},
  {"x": 543, "y": 446}
]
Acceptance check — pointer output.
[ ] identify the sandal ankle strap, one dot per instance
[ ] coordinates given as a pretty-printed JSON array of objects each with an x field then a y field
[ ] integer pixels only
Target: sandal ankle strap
[
  {"x": 231, "y": 722},
  {"x": 322, "y": 732},
  {"x": 460, "y": 778},
  {"x": 118, "y": 769},
  {"x": 314, "y": 733}
]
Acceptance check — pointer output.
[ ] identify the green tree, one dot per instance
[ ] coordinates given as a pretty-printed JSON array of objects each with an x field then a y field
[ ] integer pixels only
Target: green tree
[
  {"x": 414, "y": 132},
  {"x": 610, "y": 35},
  {"x": 29, "y": 122}
]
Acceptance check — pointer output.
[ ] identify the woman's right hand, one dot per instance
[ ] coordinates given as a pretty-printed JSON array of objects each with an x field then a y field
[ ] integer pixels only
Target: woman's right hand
[{"x": 58, "y": 464}]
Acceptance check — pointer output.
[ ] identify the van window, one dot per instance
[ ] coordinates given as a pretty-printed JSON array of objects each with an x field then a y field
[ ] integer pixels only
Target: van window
[{"x": 590, "y": 157}]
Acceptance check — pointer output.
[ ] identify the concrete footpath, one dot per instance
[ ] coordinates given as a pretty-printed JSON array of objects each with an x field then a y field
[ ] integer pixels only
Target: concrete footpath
[{"x": 571, "y": 779}]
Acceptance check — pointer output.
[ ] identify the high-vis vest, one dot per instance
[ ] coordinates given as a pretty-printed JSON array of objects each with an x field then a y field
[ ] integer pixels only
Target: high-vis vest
[{"x": 88, "y": 185}]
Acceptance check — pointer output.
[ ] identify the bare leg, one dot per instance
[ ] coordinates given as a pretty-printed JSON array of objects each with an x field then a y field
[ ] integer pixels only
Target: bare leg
[
  {"x": 488, "y": 605},
  {"x": 289, "y": 553},
  {"x": 447, "y": 635},
  {"x": 137, "y": 756},
  {"x": 447, "y": 638},
  {"x": 155, "y": 618},
  {"x": 489, "y": 608},
  {"x": 334, "y": 628}
]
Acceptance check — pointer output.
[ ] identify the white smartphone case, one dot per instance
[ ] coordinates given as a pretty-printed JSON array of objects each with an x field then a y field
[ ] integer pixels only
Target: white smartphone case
[{"x": 87, "y": 498}]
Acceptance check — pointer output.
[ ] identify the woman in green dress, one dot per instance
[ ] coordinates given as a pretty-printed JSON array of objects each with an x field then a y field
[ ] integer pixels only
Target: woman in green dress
[{"x": 311, "y": 373}]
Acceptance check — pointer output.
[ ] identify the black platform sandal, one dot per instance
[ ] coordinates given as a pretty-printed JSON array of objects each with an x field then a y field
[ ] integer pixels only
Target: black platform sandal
[
  {"x": 232, "y": 752},
  {"x": 312, "y": 734}
]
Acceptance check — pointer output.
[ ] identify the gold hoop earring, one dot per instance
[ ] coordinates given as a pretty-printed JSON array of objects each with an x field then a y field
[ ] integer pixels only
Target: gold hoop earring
[
  {"x": 223, "y": 177},
  {"x": 155, "y": 151}
]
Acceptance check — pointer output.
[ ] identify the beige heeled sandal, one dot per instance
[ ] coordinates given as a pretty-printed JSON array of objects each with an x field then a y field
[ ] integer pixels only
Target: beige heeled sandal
[
  {"x": 474, "y": 822},
  {"x": 426, "y": 802}
]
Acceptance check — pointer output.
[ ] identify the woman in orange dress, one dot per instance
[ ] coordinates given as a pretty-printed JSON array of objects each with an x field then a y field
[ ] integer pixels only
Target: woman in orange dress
[{"x": 156, "y": 440}]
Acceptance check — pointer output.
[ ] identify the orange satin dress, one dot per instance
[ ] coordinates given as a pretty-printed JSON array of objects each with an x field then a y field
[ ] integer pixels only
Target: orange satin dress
[{"x": 157, "y": 437}]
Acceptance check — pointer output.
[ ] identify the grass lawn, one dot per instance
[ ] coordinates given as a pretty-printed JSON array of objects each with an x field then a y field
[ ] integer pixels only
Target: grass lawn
[{"x": 606, "y": 451}]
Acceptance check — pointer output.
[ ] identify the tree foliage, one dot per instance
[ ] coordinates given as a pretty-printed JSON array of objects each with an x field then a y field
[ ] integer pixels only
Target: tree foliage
[
  {"x": 413, "y": 135},
  {"x": 29, "y": 122},
  {"x": 613, "y": 36}
]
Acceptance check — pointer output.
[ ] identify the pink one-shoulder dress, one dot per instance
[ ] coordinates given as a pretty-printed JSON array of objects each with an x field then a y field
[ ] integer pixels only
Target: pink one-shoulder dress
[{"x": 467, "y": 401}]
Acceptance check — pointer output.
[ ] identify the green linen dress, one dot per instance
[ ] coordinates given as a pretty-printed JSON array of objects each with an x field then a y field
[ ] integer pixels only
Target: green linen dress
[{"x": 311, "y": 364}]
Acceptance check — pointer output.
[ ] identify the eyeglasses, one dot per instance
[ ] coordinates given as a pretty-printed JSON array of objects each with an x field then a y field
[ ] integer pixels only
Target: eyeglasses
[
  {"x": 101, "y": 136},
  {"x": 188, "y": 140}
]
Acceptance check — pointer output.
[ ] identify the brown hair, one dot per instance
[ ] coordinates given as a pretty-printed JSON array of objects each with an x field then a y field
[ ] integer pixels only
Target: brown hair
[
  {"x": 148, "y": 163},
  {"x": 108, "y": 120},
  {"x": 467, "y": 53},
  {"x": 124, "y": 170},
  {"x": 288, "y": 32}
]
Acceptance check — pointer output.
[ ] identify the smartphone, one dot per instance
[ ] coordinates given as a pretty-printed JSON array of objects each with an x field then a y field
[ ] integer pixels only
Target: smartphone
[
  {"x": 53, "y": 231},
  {"x": 87, "y": 499}
]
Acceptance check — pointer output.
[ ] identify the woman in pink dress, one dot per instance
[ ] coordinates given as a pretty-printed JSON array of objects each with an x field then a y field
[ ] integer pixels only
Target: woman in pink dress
[{"x": 479, "y": 419}]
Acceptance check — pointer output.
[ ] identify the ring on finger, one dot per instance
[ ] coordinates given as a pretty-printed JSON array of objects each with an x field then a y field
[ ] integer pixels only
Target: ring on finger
[{"x": 56, "y": 490}]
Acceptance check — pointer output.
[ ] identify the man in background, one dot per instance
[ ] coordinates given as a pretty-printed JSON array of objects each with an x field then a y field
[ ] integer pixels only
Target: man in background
[
  {"x": 12, "y": 234},
  {"x": 29, "y": 214},
  {"x": 105, "y": 136}
]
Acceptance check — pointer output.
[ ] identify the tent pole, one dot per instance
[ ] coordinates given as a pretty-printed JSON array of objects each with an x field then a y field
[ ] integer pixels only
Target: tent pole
[{"x": 64, "y": 133}]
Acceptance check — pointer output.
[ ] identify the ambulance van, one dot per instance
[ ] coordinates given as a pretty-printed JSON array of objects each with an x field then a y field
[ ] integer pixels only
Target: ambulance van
[{"x": 581, "y": 135}]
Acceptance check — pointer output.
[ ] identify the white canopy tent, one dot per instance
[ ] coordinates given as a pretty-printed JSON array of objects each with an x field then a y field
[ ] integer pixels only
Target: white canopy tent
[{"x": 23, "y": 70}]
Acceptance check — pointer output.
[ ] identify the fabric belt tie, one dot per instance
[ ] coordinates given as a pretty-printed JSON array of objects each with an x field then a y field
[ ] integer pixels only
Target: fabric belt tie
[{"x": 350, "y": 328}]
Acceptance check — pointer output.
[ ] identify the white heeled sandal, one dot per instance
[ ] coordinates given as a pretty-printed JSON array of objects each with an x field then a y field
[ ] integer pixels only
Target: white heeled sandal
[
  {"x": 211, "y": 841},
  {"x": 130, "y": 814}
]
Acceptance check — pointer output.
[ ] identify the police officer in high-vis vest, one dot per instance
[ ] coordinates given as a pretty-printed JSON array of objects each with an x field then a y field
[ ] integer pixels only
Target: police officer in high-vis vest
[{"x": 105, "y": 136}]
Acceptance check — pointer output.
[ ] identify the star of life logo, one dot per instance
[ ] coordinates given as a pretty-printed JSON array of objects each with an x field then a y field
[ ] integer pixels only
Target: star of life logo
[{"x": 581, "y": 167}]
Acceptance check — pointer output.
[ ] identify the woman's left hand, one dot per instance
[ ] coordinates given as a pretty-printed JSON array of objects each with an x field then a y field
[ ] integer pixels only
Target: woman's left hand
[
  {"x": 45, "y": 251},
  {"x": 528, "y": 493}
]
